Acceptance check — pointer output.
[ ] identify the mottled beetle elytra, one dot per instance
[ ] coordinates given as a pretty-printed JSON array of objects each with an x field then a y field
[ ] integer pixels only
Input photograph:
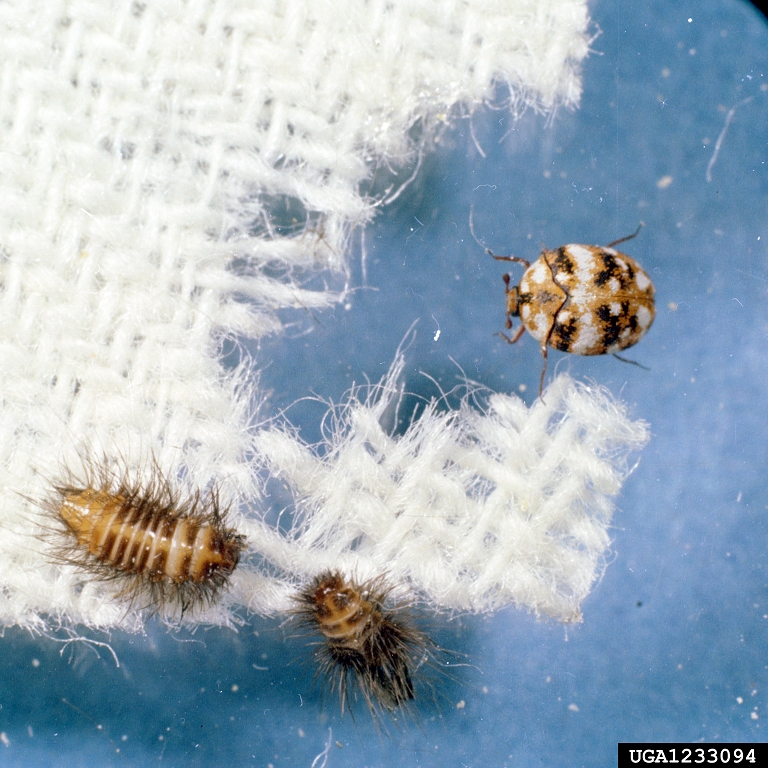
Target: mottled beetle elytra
[{"x": 582, "y": 299}]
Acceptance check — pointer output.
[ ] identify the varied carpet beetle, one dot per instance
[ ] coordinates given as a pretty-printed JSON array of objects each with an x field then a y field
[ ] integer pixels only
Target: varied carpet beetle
[
  {"x": 369, "y": 646},
  {"x": 582, "y": 299},
  {"x": 166, "y": 551}
]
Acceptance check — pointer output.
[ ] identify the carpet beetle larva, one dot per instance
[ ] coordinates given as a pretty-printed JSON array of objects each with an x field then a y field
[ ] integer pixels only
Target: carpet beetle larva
[
  {"x": 582, "y": 299},
  {"x": 167, "y": 551},
  {"x": 369, "y": 647}
]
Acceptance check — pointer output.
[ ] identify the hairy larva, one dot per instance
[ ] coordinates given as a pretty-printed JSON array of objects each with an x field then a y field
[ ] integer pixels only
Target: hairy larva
[
  {"x": 167, "y": 551},
  {"x": 369, "y": 647}
]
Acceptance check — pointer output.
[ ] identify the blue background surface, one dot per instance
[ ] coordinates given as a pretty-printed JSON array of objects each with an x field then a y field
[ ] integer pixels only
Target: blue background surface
[{"x": 673, "y": 644}]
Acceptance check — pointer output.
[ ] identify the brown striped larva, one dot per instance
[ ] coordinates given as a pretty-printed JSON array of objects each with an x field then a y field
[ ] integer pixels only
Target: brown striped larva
[
  {"x": 369, "y": 647},
  {"x": 167, "y": 551}
]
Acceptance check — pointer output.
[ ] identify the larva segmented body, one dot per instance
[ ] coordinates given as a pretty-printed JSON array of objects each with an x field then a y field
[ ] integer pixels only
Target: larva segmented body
[
  {"x": 169, "y": 551},
  {"x": 368, "y": 648}
]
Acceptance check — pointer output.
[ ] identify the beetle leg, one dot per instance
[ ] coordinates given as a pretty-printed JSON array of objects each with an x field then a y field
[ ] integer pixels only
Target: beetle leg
[
  {"x": 624, "y": 239},
  {"x": 516, "y": 259},
  {"x": 632, "y": 362},
  {"x": 543, "y": 371},
  {"x": 512, "y": 339},
  {"x": 507, "y": 291}
]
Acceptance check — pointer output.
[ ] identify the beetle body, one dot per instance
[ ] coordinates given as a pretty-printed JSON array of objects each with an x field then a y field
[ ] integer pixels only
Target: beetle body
[
  {"x": 582, "y": 299},
  {"x": 585, "y": 300}
]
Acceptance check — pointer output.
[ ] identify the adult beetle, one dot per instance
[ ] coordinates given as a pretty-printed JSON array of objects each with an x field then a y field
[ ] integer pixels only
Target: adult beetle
[{"x": 582, "y": 299}]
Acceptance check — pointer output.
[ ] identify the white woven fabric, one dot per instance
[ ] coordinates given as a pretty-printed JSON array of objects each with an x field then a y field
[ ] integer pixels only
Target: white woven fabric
[
  {"x": 169, "y": 173},
  {"x": 474, "y": 508}
]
